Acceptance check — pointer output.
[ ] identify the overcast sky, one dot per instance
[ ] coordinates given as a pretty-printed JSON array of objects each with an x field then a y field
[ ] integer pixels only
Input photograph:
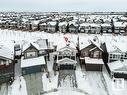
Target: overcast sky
[{"x": 63, "y": 5}]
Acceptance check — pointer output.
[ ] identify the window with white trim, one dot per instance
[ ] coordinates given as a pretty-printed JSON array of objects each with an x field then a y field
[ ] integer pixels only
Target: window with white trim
[{"x": 31, "y": 54}]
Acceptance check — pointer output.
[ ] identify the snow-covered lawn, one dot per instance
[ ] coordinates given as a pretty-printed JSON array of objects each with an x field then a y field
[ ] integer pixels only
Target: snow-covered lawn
[{"x": 18, "y": 87}]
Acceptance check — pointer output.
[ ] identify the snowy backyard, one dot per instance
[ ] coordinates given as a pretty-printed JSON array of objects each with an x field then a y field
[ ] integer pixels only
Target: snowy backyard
[{"x": 63, "y": 82}]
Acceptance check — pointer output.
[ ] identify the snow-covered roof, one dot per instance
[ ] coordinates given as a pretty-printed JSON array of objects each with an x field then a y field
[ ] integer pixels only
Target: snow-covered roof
[
  {"x": 6, "y": 52},
  {"x": 66, "y": 61},
  {"x": 72, "y": 22},
  {"x": 84, "y": 25},
  {"x": 118, "y": 66},
  {"x": 105, "y": 25},
  {"x": 89, "y": 60},
  {"x": 40, "y": 44},
  {"x": 116, "y": 43},
  {"x": 32, "y": 62},
  {"x": 63, "y": 43},
  {"x": 43, "y": 24},
  {"x": 63, "y": 23},
  {"x": 120, "y": 24},
  {"x": 123, "y": 18},
  {"x": 94, "y": 25},
  {"x": 84, "y": 42},
  {"x": 52, "y": 23},
  {"x": 35, "y": 22}
]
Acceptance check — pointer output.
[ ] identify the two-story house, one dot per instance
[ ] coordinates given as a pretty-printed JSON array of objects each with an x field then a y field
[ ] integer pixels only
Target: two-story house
[
  {"x": 66, "y": 56},
  {"x": 73, "y": 28},
  {"x": 115, "y": 58},
  {"x": 62, "y": 27},
  {"x": 43, "y": 27},
  {"x": 7, "y": 64},
  {"x": 34, "y": 56},
  {"x": 51, "y": 26},
  {"x": 91, "y": 54},
  {"x": 120, "y": 27}
]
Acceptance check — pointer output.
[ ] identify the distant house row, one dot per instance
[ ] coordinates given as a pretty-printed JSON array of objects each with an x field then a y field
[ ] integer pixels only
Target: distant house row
[
  {"x": 66, "y": 24},
  {"x": 68, "y": 27}
]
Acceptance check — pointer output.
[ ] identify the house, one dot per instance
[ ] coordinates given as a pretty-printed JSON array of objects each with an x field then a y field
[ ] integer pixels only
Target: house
[
  {"x": 66, "y": 56},
  {"x": 84, "y": 28},
  {"x": 120, "y": 27},
  {"x": 7, "y": 64},
  {"x": 116, "y": 50},
  {"x": 2, "y": 23},
  {"x": 73, "y": 28},
  {"x": 106, "y": 28},
  {"x": 34, "y": 56},
  {"x": 94, "y": 28},
  {"x": 89, "y": 28},
  {"x": 35, "y": 25},
  {"x": 51, "y": 26},
  {"x": 62, "y": 27},
  {"x": 115, "y": 55},
  {"x": 43, "y": 27},
  {"x": 12, "y": 24},
  {"x": 91, "y": 55}
]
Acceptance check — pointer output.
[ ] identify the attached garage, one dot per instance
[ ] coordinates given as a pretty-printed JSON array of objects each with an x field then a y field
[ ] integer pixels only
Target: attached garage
[
  {"x": 67, "y": 67},
  {"x": 33, "y": 65},
  {"x": 66, "y": 64},
  {"x": 32, "y": 69},
  {"x": 92, "y": 64}
]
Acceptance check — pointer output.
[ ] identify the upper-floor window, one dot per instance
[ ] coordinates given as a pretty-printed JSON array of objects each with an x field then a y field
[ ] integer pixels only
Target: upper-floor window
[
  {"x": 31, "y": 54},
  {"x": 96, "y": 54},
  {"x": 117, "y": 56}
]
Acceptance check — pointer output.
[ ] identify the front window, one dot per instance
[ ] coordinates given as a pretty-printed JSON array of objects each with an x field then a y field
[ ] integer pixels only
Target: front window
[
  {"x": 96, "y": 54},
  {"x": 31, "y": 54}
]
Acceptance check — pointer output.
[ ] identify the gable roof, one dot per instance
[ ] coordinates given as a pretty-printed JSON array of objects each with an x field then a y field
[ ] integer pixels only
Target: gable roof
[
  {"x": 28, "y": 45},
  {"x": 118, "y": 66},
  {"x": 67, "y": 48},
  {"x": 66, "y": 61},
  {"x": 95, "y": 46},
  {"x": 39, "y": 44}
]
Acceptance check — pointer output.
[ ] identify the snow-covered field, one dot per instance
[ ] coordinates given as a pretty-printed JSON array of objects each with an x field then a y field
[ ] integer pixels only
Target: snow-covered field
[{"x": 89, "y": 83}]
